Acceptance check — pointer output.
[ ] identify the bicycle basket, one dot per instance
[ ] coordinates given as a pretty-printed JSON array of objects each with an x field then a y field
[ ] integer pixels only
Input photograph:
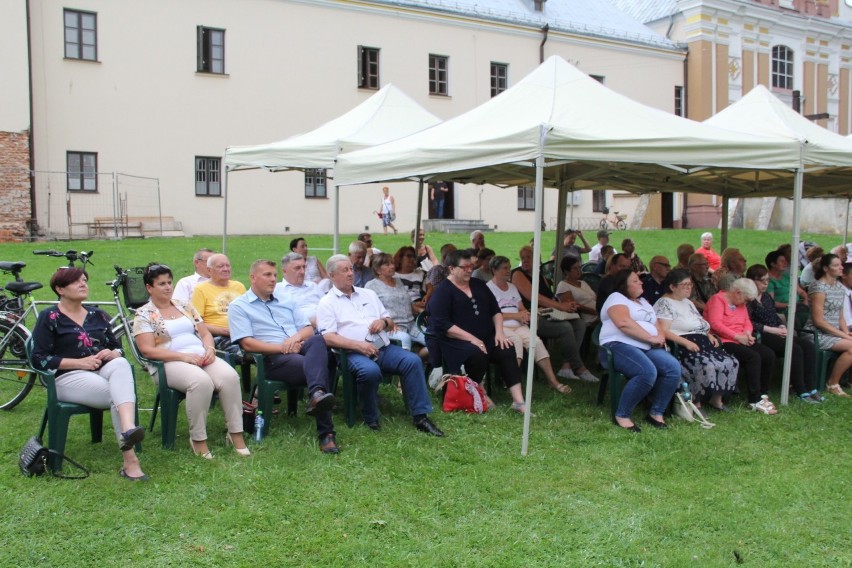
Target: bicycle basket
[{"x": 133, "y": 289}]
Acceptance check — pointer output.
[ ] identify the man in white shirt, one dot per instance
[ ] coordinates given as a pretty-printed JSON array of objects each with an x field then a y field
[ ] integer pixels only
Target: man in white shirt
[
  {"x": 603, "y": 240},
  {"x": 184, "y": 287},
  {"x": 306, "y": 294},
  {"x": 354, "y": 319}
]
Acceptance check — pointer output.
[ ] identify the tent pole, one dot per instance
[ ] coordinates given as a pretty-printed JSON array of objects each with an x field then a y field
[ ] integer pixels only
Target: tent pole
[
  {"x": 225, "y": 211},
  {"x": 419, "y": 214},
  {"x": 536, "y": 268},
  {"x": 336, "y": 243},
  {"x": 724, "y": 237},
  {"x": 561, "y": 205},
  {"x": 846, "y": 225},
  {"x": 794, "y": 278}
]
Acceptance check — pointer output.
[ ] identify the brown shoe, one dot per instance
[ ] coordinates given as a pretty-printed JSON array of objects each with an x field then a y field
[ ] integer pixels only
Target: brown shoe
[
  {"x": 320, "y": 402},
  {"x": 328, "y": 445}
]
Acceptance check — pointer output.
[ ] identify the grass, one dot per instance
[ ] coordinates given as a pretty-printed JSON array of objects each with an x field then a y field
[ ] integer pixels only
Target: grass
[{"x": 773, "y": 489}]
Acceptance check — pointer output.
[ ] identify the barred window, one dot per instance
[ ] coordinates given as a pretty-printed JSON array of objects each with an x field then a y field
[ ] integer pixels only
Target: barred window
[{"x": 207, "y": 176}]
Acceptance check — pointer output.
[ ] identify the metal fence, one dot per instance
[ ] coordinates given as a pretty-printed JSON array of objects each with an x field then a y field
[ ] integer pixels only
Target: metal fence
[{"x": 104, "y": 205}]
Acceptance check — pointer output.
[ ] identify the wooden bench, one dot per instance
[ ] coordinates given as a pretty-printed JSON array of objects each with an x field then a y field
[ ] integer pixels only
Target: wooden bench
[{"x": 135, "y": 227}]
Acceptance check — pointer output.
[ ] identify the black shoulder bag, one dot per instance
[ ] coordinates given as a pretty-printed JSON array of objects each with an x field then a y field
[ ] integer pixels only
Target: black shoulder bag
[{"x": 33, "y": 461}]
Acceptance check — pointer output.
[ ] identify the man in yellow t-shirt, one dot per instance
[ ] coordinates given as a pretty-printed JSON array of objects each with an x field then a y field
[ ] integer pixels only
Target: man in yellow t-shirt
[{"x": 212, "y": 298}]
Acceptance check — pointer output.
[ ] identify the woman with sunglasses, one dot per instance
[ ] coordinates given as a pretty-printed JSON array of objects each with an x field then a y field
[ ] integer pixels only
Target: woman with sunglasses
[
  {"x": 466, "y": 319},
  {"x": 168, "y": 330},
  {"x": 75, "y": 342},
  {"x": 412, "y": 276}
]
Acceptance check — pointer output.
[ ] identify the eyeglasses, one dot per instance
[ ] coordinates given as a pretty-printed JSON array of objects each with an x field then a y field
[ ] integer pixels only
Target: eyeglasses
[
  {"x": 663, "y": 264},
  {"x": 686, "y": 284},
  {"x": 466, "y": 267},
  {"x": 408, "y": 255},
  {"x": 157, "y": 267}
]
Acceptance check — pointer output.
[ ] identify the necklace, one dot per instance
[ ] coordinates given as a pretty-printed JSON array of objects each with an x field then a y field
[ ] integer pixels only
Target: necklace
[{"x": 175, "y": 313}]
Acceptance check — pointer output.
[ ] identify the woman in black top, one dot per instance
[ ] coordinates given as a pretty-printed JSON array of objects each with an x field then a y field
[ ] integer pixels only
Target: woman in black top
[
  {"x": 465, "y": 317},
  {"x": 75, "y": 342}
]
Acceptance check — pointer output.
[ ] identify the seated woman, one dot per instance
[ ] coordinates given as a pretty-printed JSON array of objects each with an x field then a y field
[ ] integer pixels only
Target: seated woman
[
  {"x": 578, "y": 289},
  {"x": 168, "y": 330},
  {"x": 467, "y": 322},
  {"x": 516, "y": 319},
  {"x": 629, "y": 328},
  {"x": 314, "y": 270},
  {"x": 764, "y": 317},
  {"x": 710, "y": 371},
  {"x": 411, "y": 275},
  {"x": 391, "y": 291},
  {"x": 426, "y": 258},
  {"x": 728, "y": 318},
  {"x": 75, "y": 342},
  {"x": 827, "y": 294},
  {"x": 569, "y": 333}
]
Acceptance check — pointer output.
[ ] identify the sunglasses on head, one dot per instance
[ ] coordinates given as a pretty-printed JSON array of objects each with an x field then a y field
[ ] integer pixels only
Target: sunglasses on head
[{"x": 157, "y": 267}]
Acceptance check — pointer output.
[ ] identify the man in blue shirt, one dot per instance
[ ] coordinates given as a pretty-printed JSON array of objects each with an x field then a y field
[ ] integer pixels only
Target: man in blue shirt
[{"x": 264, "y": 323}]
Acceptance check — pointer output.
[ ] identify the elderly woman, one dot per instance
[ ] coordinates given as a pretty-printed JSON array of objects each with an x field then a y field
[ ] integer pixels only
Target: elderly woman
[
  {"x": 706, "y": 249},
  {"x": 75, "y": 343},
  {"x": 314, "y": 270},
  {"x": 516, "y": 319},
  {"x": 578, "y": 289},
  {"x": 394, "y": 296},
  {"x": 569, "y": 333},
  {"x": 764, "y": 317},
  {"x": 466, "y": 319},
  {"x": 412, "y": 276},
  {"x": 168, "y": 330},
  {"x": 827, "y": 295},
  {"x": 728, "y": 317},
  {"x": 710, "y": 371},
  {"x": 630, "y": 329}
]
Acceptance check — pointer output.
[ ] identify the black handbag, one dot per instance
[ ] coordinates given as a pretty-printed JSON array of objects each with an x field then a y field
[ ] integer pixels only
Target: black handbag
[{"x": 33, "y": 461}]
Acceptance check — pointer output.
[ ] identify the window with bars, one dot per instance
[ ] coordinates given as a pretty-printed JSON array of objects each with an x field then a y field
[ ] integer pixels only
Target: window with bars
[
  {"x": 499, "y": 78},
  {"x": 598, "y": 200},
  {"x": 439, "y": 75},
  {"x": 782, "y": 67},
  {"x": 526, "y": 198},
  {"x": 316, "y": 183},
  {"x": 82, "y": 171},
  {"x": 678, "y": 101},
  {"x": 211, "y": 50},
  {"x": 81, "y": 35},
  {"x": 368, "y": 67},
  {"x": 207, "y": 176}
]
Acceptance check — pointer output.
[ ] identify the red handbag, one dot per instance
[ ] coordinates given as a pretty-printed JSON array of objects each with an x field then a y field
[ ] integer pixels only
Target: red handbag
[{"x": 463, "y": 393}]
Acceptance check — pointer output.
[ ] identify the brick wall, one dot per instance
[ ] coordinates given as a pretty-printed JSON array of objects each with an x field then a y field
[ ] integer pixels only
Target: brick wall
[{"x": 14, "y": 185}]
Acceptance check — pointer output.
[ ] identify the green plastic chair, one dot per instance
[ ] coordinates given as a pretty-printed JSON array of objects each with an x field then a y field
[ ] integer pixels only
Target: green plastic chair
[
  {"x": 350, "y": 388},
  {"x": 57, "y": 416},
  {"x": 824, "y": 359},
  {"x": 615, "y": 379},
  {"x": 265, "y": 389}
]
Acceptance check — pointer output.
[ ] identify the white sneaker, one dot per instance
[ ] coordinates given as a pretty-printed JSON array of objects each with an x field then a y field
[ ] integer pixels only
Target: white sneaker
[
  {"x": 589, "y": 377},
  {"x": 567, "y": 373}
]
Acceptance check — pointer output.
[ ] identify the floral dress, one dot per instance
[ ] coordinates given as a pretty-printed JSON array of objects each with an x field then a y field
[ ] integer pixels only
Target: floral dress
[
  {"x": 832, "y": 308},
  {"x": 150, "y": 320},
  {"x": 56, "y": 337}
]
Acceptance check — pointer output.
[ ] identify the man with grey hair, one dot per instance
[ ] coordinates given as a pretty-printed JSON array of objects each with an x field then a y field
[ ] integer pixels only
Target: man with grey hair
[
  {"x": 358, "y": 256},
  {"x": 354, "y": 319},
  {"x": 184, "y": 287},
  {"x": 477, "y": 240},
  {"x": 212, "y": 298},
  {"x": 304, "y": 293}
]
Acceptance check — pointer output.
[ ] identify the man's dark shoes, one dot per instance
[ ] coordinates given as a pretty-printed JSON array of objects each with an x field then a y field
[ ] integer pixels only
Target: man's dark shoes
[
  {"x": 132, "y": 437},
  {"x": 374, "y": 426},
  {"x": 426, "y": 425},
  {"x": 320, "y": 402},
  {"x": 328, "y": 445}
]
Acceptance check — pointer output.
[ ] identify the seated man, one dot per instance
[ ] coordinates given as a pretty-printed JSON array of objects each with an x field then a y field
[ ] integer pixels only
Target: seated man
[
  {"x": 185, "y": 286},
  {"x": 477, "y": 240},
  {"x": 354, "y": 319},
  {"x": 265, "y": 323},
  {"x": 628, "y": 247},
  {"x": 702, "y": 285},
  {"x": 360, "y": 270},
  {"x": 603, "y": 240},
  {"x": 367, "y": 239},
  {"x": 652, "y": 283},
  {"x": 305, "y": 294},
  {"x": 684, "y": 251},
  {"x": 212, "y": 298}
]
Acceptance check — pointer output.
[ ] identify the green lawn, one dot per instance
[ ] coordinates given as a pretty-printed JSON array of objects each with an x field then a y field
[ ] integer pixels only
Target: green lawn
[{"x": 775, "y": 489}]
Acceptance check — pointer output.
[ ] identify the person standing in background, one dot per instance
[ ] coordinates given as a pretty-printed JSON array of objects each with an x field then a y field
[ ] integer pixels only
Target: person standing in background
[{"x": 388, "y": 210}]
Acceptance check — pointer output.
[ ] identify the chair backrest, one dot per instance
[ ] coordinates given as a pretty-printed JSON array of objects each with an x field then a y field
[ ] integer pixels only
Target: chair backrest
[
  {"x": 548, "y": 268},
  {"x": 590, "y": 267},
  {"x": 133, "y": 289},
  {"x": 596, "y": 336},
  {"x": 592, "y": 279},
  {"x": 47, "y": 379}
]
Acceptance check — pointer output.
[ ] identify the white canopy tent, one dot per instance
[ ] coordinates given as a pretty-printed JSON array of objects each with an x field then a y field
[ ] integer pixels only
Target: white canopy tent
[
  {"x": 387, "y": 115},
  {"x": 827, "y": 169},
  {"x": 560, "y": 128}
]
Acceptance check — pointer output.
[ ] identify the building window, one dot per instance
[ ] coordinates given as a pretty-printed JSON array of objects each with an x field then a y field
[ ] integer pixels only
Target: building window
[
  {"x": 211, "y": 50},
  {"x": 598, "y": 200},
  {"x": 598, "y": 78},
  {"x": 526, "y": 198},
  {"x": 678, "y": 101},
  {"x": 438, "y": 75},
  {"x": 82, "y": 171},
  {"x": 81, "y": 35},
  {"x": 207, "y": 176},
  {"x": 782, "y": 67},
  {"x": 499, "y": 78},
  {"x": 368, "y": 67},
  {"x": 316, "y": 183}
]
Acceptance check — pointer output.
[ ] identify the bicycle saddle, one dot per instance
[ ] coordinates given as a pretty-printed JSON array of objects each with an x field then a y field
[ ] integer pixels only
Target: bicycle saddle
[
  {"x": 12, "y": 266},
  {"x": 23, "y": 287}
]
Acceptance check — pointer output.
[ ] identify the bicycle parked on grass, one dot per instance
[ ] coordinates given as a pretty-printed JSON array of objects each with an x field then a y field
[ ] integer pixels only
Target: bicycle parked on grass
[
  {"x": 19, "y": 311},
  {"x": 617, "y": 220}
]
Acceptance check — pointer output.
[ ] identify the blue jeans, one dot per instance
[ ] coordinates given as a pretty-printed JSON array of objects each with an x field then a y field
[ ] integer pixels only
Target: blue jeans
[
  {"x": 395, "y": 360},
  {"x": 439, "y": 208},
  {"x": 654, "y": 371}
]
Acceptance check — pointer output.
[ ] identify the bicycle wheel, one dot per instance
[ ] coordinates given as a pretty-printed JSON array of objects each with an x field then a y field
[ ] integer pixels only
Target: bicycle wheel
[
  {"x": 604, "y": 224},
  {"x": 621, "y": 226},
  {"x": 16, "y": 376}
]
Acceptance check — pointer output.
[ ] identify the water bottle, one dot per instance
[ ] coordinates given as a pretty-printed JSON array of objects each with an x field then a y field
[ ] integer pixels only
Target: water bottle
[{"x": 258, "y": 426}]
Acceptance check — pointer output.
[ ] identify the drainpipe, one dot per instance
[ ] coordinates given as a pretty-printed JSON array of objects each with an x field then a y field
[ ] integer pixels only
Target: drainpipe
[
  {"x": 544, "y": 30},
  {"x": 33, "y": 224}
]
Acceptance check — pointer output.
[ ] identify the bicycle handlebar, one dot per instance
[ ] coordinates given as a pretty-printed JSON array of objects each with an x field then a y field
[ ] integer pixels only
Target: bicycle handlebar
[{"x": 72, "y": 255}]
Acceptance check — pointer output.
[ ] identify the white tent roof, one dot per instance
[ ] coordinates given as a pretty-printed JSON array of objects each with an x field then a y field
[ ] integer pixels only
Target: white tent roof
[
  {"x": 584, "y": 130},
  {"x": 387, "y": 115}
]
